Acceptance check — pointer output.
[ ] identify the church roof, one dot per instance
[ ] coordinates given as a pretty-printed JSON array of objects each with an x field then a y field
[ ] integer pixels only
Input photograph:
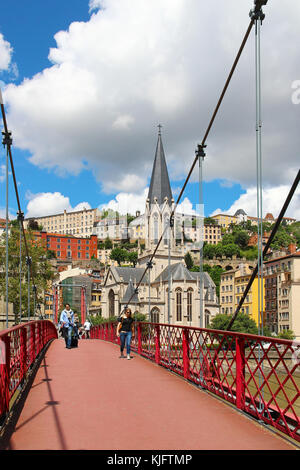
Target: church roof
[
  {"x": 130, "y": 295},
  {"x": 160, "y": 183},
  {"x": 179, "y": 272},
  {"x": 127, "y": 274}
]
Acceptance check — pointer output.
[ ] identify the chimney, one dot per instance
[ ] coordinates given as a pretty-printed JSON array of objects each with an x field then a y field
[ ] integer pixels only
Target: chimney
[{"x": 292, "y": 248}]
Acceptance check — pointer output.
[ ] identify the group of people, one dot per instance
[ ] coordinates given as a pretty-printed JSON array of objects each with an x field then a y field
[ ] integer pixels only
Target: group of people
[{"x": 70, "y": 327}]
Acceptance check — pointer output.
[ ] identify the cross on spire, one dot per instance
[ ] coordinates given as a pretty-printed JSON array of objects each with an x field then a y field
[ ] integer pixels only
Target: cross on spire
[{"x": 159, "y": 129}]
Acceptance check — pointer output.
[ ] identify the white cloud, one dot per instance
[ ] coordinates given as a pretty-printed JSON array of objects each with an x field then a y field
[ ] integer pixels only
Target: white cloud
[
  {"x": 5, "y": 53},
  {"x": 43, "y": 204},
  {"x": 136, "y": 63},
  {"x": 127, "y": 202},
  {"x": 186, "y": 207},
  {"x": 273, "y": 200}
]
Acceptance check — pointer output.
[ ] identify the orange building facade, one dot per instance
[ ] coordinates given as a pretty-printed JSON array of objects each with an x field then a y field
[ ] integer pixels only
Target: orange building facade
[{"x": 69, "y": 247}]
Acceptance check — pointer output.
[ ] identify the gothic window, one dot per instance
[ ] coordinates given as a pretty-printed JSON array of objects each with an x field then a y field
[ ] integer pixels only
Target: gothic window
[
  {"x": 166, "y": 230},
  {"x": 207, "y": 317},
  {"x": 155, "y": 315},
  {"x": 111, "y": 303},
  {"x": 189, "y": 304},
  {"x": 155, "y": 228},
  {"x": 178, "y": 294}
]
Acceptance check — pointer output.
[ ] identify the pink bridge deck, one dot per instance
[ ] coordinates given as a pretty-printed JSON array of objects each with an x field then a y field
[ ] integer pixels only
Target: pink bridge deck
[{"x": 89, "y": 399}]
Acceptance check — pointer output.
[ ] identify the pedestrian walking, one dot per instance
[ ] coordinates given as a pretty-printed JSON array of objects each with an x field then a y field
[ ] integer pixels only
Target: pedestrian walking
[
  {"x": 76, "y": 325},
  {"x": 125, "y": 330},
  {"x": 87, "y": 327},
  {"x": 67, "y": 324}
]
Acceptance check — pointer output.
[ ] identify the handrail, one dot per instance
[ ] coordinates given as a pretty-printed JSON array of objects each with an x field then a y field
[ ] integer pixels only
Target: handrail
[
  {"x": 259, "y": 375},
  {"x": 19, "y": 348}
]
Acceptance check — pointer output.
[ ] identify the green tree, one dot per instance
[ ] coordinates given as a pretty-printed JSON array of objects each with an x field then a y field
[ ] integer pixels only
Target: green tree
[
  {"x": 189, "y": 260},
  {"x": 130, "y": 218},
  {"x": 287, "y": 334},
  {"x": 40, "y": 265},
  {"x": 132, "y": 257},
  {"x": 108, "y": 244},
  {"x": 209, "y": 251},
  {"x": 242, "y": 324},
  {"x": 227, "y": 239},
  {"x": 118, "y": 254},
  {"x": 231, "y": 250},
  {"x": 282, "y": 239},
  {"x": 241, "y": 239},
  {"x": 209, "y": 221}
]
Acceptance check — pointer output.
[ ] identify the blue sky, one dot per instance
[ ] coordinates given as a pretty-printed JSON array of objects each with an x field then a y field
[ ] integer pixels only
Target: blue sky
[{"x": 92, "y": 172}]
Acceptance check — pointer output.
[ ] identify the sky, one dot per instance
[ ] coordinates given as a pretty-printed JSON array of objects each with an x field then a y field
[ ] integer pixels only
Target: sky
[{"x": 86, "y": 83}]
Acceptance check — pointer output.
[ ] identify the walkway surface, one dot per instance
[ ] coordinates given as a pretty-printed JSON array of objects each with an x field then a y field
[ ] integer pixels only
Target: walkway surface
[{"x": 87, "y": 399}]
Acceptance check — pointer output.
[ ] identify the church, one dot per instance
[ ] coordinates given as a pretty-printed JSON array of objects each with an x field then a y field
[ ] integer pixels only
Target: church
[{"x": 167, "y": 292}]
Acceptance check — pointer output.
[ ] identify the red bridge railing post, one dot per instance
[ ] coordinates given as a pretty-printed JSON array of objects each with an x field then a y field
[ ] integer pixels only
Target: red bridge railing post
[
  {"x": 240, "y": 373},
  {"x": 157, "y": 344},
  {"x": 4, "y": 374},
  {"x": 32, "y": 343},
  {"x": 23, "y": 352},
  {"x": 186, "y": 353},
  {"x": 112, "y": 333},
  {"x": 139, "y": 334}
]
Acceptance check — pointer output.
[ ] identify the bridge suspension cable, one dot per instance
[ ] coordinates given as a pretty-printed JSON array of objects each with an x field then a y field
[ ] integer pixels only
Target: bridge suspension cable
[
  {"x": 7, "y": 141},
  {"x": 200, "y": 148}
]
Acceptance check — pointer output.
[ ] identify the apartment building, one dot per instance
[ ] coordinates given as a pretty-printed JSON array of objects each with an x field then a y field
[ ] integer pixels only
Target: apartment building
[
  {"x": 78, "y": 224},
  {"x": 224, "y": 220},
  {"x": 69, "y": 247},
  {"x": 115, "y": 228},
  {"x": 232, "y": 288},
  {"x": 96, "y": 293},
  {"x": 282, "y": 275}
]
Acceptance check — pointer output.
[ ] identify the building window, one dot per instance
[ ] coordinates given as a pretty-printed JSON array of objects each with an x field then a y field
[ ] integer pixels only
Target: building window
[
  {"x": 178, "y": 304},
  {"x": 155, "y": 315}
]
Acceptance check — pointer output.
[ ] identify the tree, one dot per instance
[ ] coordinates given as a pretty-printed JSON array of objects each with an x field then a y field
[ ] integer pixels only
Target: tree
[
  {"x": 210, "y": 221},
  {"x": 33, "y": 225},
  {"x": 189, "y": 260},
  {"x": 108, "y": 244},
  {"x": 119, "y": 255},
  {"x": 130, "y": 218},
  {"x": 41, "y": 269},
  {"x": 241, "y": 239},
  {"x": 227, "y": 239},
  {"x": 231, "y": 250},
  {"x": 209, "y": 251},
  {"x": 51, "y": 254},
  {"x": 287, "y": 334},
  {"x": 242, "y": 324},
  {"x": 132, "y": 257}
]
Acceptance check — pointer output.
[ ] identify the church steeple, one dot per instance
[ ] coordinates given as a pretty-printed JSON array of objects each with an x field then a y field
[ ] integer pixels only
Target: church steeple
[{"x": 160, "y": 183}]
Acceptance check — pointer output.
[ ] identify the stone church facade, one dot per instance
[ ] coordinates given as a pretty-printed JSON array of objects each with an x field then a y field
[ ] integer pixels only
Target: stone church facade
[{"x": 168, "y": 292}]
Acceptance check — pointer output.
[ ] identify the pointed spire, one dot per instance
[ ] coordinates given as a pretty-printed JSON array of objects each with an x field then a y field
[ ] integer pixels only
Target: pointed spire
[{"x": 160, "y": 183}]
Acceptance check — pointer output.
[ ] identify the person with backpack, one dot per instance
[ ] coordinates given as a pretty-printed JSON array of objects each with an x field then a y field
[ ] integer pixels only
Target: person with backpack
[
  {"x": 125, "y": 330},
  {"x": 67, "y": 324}
]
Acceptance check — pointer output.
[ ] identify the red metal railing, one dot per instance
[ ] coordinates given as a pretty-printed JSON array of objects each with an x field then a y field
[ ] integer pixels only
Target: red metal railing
[
  {"x": 19, "y": 348},
  {"x": 259, "y": 375}
]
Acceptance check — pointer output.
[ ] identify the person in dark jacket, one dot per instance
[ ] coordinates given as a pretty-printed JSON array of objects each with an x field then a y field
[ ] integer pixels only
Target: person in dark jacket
[{"x": 125, "y": 330}]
